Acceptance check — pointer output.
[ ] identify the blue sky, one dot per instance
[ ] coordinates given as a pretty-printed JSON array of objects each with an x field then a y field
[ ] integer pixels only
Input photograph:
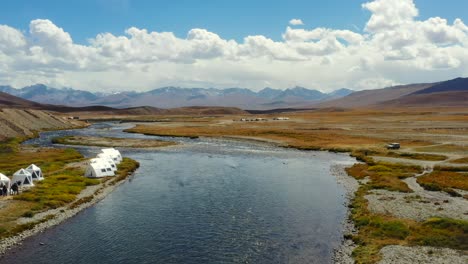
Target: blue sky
[
  {"x": 115, "y": 45},
  {"x": 84, "y": 19}
]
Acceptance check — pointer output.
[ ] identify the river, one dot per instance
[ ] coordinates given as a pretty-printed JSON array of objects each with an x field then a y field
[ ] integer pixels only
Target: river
[{"x": 203, "y": 201}]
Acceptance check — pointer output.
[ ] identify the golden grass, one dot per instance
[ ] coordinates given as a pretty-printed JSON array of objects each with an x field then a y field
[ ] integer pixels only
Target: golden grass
[
  {"x": 460, "y": 161},
  {"x": 444, "y": 148},
  {"x": 440, "y": 180}
]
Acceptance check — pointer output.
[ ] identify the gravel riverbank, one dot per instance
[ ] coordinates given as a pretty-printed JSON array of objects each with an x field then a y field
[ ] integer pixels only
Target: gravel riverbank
[
  {"x": 342, "y": 255},
  {"x": 413, "y": 255}
]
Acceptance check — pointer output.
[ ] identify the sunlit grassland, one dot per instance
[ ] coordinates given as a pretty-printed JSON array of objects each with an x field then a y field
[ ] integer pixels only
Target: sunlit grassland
[
  {"x": 49, "y": 159},
  {"x": 444, "y": 148},
  {"x": 61, "y": 185},
  {"x": 56, "y": 189}
]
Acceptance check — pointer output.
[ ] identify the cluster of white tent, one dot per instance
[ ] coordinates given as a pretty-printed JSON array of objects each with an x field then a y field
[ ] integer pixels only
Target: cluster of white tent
[
  {"x": 24, "y": 177},
  {"x": 105, "y": 164}
]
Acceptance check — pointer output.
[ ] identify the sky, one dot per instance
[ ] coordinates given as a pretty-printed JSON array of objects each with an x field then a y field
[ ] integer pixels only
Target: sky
[{"x": 115, "y": 45}]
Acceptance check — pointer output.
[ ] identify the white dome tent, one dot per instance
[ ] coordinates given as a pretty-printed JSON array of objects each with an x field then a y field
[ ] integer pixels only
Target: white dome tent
[
  {"x": 111, "y": 163},
  {"x": 95, "y": 170},
  {"x": 4, "y": 180},
  {"x": 24, "y": 177},
  {"x": 113, "y": 153},
  {"x": 36, "y": 172},
  {"x": 99, "y": 168}
]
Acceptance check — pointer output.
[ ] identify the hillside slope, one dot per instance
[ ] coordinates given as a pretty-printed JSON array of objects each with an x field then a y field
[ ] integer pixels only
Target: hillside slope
[
  {"x": 10, "y": 101},
  {"x": 455, "y": 85},
  {"x": 23, "y": 123},
  {"x": 374, "y": 97},
  {"x": 439, "y": 99}
]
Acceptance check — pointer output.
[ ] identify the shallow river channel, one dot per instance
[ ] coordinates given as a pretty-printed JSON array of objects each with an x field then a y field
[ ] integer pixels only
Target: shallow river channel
[{"x": 202, "y": 201}]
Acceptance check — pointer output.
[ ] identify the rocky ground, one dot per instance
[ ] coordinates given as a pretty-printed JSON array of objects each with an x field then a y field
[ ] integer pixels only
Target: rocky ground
[
  {"x": 113, "y": 142},
  {"x": 419, "y": 205},
  {"x": 342, "y": 255},
  {"x": 423, "y": 255}
]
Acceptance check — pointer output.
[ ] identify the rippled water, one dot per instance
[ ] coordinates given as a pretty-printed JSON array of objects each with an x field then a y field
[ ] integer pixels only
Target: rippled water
[{"x": 208, "y": 201}]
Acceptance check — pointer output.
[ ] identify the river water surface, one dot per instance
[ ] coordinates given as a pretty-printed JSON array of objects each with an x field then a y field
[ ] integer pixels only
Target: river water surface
[{"x": 204, "y": 201}]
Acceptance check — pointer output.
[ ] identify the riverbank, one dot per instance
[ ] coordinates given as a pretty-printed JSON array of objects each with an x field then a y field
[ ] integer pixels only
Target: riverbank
[
  {"x": 52, "y": 217},
  {"x": 343, "y": 254},
  {"x": 111, "y": 142}
]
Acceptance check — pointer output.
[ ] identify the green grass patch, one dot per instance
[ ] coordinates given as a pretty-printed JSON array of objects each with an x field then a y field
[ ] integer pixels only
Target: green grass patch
[
  {"x": 441, "y": 232},
  {"x": 125, "y": 168},
  {"x": 10, "y": 145},
  {"x": 385, "y": 175},
  {"x": 47, "y": 158},
  {"x": 57, "y": 190}
]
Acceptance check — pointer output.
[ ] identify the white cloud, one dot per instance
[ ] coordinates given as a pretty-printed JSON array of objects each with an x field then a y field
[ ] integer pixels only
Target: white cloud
[
  {"x": 389, "y": 14},
  {"x": 395, "y": 45},
  {"x": 11, "y": 40},
  {"x": 296, "y": 22}
]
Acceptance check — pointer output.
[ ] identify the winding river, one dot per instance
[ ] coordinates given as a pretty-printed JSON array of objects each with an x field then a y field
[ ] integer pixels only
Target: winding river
[{"x": 203, "y": 201}]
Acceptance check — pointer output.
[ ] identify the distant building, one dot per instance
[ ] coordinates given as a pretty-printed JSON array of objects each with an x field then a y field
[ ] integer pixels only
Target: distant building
[{"x": 281, "y": 118}]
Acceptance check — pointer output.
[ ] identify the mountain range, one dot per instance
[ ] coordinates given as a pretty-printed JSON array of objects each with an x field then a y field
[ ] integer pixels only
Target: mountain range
[
  {"x": 173, "y": 97},
  {"x": 172, "y": 100}
]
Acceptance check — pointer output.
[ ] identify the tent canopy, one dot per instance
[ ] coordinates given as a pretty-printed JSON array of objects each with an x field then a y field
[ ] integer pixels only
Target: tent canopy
[
  {"x": 110, "y": 156},
  {"x": 115, "y": 154},
  {"x": 35, "y": 171},
  {"x": 5, "y": 180},
  {"x": 98, "y": 168},
  {"x": 110, "y": 163},
  {"x": 23, "y": 177}
]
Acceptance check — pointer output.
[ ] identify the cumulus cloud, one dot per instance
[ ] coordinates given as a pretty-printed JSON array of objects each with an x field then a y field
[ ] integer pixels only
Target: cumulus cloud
[
  {"x": 395, "y": 44},
  {"x": 296, "y": 22}
]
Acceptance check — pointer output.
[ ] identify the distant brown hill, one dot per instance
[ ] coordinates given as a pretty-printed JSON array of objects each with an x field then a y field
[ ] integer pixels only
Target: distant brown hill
[
  {"x": 374, "y": 97},
  {"x": 452, "y": 93},
  {"x": 439, "y": 99},
  {"x": 10, "y": 101}
]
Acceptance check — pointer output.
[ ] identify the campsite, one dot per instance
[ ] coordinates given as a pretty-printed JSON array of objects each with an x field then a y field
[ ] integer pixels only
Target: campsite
[{"x": 104, "y": 165}]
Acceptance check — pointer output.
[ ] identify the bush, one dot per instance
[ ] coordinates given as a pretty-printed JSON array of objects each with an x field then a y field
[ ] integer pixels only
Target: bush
[{"x": 28, "y": 214}]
